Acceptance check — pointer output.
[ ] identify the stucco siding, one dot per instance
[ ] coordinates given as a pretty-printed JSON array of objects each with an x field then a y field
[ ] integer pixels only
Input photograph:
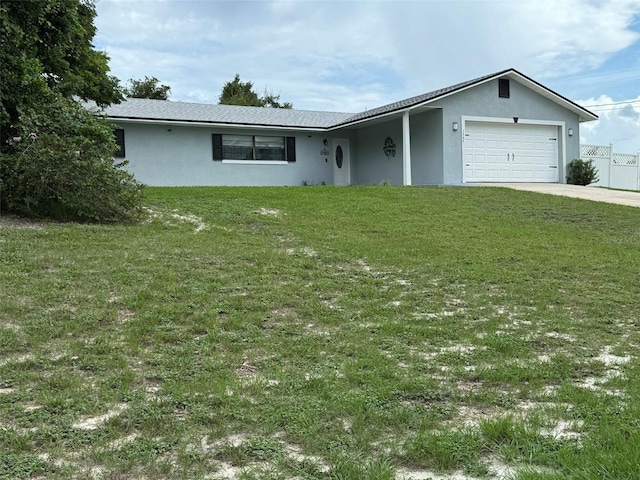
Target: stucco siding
[
  {"x": 371, "y": 165},
  {"x": 169, "y": 155},
  {"x": 426, "y": 148},
  {"x": 483, "y": 101}
]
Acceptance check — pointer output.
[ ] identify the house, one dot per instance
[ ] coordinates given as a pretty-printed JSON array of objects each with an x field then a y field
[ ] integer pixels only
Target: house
[{"x": 503, "y": 127}]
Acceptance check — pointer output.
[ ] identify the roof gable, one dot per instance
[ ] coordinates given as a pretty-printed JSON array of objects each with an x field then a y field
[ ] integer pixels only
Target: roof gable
[{"x": 427, "y": 98}]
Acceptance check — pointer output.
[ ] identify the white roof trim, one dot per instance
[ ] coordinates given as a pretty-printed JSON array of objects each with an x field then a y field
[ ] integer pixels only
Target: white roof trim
[{"x": 185, "y": 123}]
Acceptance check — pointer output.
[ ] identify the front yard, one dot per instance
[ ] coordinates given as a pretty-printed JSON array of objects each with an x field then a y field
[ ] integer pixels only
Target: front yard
[{"x": 321, "y": 332}]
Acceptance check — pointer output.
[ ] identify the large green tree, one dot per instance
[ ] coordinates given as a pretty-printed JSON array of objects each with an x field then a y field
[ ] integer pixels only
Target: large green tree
[
  {"x": 148, "y": 88},
  {"x": 237, "y": 92},
  {"x": 56, "y": 157},
  {"x": 46, "y": 46}
]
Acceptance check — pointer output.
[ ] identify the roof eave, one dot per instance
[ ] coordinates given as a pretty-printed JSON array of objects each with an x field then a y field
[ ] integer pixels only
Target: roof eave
[
  {"x": 198, "y": 123},
  {"x": 584, "y": 115}
]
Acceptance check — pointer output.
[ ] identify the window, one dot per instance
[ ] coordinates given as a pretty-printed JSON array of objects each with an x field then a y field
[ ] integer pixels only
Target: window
[
  {"x": 254, "y": 148},
  {"x": 503, "y": 88},
  {"x": 119, "y": 134}
]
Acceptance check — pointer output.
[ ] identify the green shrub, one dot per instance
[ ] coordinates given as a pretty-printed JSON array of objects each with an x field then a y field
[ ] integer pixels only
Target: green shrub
[
  {"x": 582, "y": 172},
  {"x": 60, "y": 165}
]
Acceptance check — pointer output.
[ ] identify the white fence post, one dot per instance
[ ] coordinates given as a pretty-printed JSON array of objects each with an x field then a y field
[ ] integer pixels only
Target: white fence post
[
  {"x": 610, "y": 163},
  {"x": 638, "y": 164}
]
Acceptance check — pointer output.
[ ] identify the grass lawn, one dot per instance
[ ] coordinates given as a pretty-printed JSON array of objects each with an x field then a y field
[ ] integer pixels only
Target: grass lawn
[{"x": 321, "y": 332}]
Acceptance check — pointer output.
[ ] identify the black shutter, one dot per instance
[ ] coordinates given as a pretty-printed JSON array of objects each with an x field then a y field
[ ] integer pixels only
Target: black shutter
[
  {"x": 119, "y": 134},
  {"x": 217, "y": 146},
  {"x": 291, "y": 149}
]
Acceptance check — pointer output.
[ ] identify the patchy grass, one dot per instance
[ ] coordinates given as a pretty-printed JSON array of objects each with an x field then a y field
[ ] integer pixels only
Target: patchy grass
[{"x": 311, "y": 333}]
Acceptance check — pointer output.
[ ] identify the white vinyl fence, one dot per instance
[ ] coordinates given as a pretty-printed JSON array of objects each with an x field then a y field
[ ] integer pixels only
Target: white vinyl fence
[{"x": 615, "y": 170}]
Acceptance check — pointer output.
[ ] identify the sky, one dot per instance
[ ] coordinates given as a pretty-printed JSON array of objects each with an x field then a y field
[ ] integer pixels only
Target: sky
[{"x": 353, "y": 55}]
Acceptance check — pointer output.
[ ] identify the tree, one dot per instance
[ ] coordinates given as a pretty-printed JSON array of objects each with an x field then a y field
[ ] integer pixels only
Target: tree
[
  {"x": 47, "y": 46},
  {"x": 236, "y": 92},
  {"x": 273, "y": 101},
  {"x": 147, "y": 88},
  {"x": 57, "y": 158}
]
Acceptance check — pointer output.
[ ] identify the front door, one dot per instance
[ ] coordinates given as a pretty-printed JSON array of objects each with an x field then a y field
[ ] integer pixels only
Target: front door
[{"x": 341, "y": 162}]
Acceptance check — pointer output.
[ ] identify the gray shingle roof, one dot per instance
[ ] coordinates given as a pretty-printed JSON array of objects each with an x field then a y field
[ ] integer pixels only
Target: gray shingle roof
[
  {"x": 163, "y": 110},
  {"x": 417, "y": 100},
  {"x": 139, "y": 108}
]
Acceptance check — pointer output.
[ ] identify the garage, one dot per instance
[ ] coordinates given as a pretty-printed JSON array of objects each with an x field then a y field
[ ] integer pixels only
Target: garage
[{"x": 510, "y": 152}]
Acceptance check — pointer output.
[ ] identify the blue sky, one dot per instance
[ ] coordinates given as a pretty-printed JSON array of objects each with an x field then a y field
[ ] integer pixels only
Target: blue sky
[{"x": 356, "y": 55}]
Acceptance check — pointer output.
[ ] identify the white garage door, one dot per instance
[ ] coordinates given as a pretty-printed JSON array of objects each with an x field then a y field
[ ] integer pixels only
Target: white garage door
[{"x": 510, "y": 152}]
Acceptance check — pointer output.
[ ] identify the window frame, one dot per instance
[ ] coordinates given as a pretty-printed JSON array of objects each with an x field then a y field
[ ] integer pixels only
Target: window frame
[
  {"x": 504, "y": 88},
  {"x": 288, "y": 149},
  {"x": 118, "y": 134}
]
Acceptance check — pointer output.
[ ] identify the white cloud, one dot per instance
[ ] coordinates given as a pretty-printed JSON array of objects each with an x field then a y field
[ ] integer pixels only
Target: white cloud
[
  {"x": 353, "y": 55},
  {"x": 454, "y": 41},
  {"x": 618, "y": 124}
]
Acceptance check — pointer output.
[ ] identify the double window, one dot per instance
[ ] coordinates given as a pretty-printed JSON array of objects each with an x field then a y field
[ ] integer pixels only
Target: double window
[{"x": 254, "y": 148}]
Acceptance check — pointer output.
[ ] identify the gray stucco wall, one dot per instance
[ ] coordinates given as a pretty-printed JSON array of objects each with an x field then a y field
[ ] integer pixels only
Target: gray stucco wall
[
  {"x": 169, "y": 155},
  {"x": 426, "y": 148},
  {"x": 371, "y": 165},
  {"x": 483, "y": 101}
]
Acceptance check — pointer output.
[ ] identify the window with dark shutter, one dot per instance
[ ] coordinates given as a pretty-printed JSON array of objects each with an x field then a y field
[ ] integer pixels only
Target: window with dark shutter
[
  {"x": 291, "y": 149},
  {"x": 217, "y": 146},
  {"x": 253, "y": 148},
  {"x": 119, "y": 134},
  {"x": 503, "y": 88}
]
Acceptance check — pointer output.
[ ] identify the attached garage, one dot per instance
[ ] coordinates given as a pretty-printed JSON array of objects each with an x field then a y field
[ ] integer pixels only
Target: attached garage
[{"x": 511, "y": 152}]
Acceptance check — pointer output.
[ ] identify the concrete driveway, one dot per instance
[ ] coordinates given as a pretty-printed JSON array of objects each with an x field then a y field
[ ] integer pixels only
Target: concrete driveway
[{"x": 631, "y": 199}]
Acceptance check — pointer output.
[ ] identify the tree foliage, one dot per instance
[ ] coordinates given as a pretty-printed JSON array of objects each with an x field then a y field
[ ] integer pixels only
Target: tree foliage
[
  {"x": 147, "y": 88},
  {"x": 62, "y": 166},
  {"x": 46, "y": 45},
  {"x": 57, "y": 159},
  {"x": 237, "y": 92}
]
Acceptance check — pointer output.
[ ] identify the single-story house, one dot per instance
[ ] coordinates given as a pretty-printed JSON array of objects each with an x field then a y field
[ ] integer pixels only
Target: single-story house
[{"x": 503, "y": 127}]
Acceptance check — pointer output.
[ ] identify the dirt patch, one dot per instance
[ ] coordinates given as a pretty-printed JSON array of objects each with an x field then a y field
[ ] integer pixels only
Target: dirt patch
[
  {"x": 92, "y": 423},
  {"x": 125, "y": 315},
  {"x": 246, "y": 370},
  {"x": 608, "y": 359},
  {"x": 11, "y": 326},
  {"x": 272, "y": 212},
  {"x": 405, "y": 474},
  {"x": 295, "y": 453},
  {"x": 120, "y": 442},
  {"x": 11, "y": 221},
  {"x": 169, "y": 219},
  {"x": 304, "y": 251},
  {"x": 16, "y": 359},
  {"x": 563, "y": 429}
]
